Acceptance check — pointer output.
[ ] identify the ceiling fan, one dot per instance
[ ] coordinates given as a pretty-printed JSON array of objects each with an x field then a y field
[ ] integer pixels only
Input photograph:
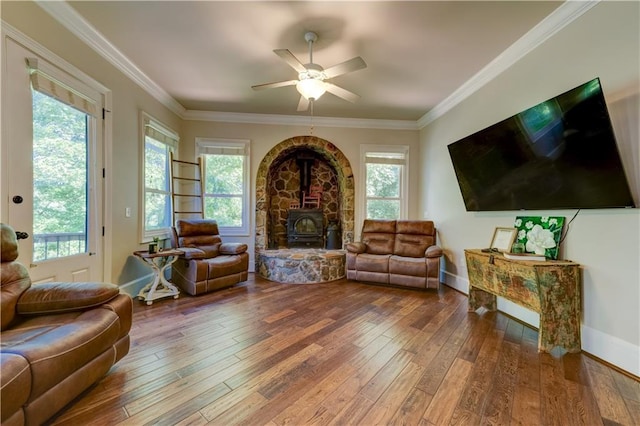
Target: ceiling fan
[{"x": 312, "y": 78}]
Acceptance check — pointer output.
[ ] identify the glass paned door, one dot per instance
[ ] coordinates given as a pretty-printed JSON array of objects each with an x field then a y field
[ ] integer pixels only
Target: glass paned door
[
  {"x": 52, "y": 151},
  {"x": 60, "y": 186}
]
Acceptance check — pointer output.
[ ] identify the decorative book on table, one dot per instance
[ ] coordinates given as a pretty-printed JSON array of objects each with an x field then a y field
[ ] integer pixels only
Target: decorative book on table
[{"x": 524, "y": 256}]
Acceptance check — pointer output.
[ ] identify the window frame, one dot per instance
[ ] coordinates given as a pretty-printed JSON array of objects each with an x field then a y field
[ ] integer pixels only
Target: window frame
[
  {"x": 170, "y": 138},
  {"x": 365, "y": 158},
  {"x": 240, "y": 146}
]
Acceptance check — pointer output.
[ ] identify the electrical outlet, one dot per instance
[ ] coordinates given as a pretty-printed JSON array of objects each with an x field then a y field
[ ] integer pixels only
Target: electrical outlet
[{"x": 127, "y": 212}]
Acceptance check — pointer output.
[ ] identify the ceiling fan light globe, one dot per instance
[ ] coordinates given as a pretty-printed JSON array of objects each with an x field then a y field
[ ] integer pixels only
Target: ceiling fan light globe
[{"x": 311, "y": 88}]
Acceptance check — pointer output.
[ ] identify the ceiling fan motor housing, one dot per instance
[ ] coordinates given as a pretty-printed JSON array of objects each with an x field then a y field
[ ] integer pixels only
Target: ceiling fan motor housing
[{"x": 313, "y": 71}]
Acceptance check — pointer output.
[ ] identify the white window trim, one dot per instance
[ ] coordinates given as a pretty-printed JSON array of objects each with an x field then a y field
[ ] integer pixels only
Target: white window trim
[
  {"x": 404, "y": 182},
  {"x": 146, "y": 119},
  {"x": 202, "y": 144}
]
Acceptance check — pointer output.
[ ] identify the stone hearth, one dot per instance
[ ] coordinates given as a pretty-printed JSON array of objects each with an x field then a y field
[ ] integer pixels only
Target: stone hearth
[
  {"x": 301, "y": 266},
  {"x": 278, "y": 185}
]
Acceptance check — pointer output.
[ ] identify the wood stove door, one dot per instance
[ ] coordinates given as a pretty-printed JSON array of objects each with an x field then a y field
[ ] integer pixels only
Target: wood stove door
[{"x": 305, "y": 229}]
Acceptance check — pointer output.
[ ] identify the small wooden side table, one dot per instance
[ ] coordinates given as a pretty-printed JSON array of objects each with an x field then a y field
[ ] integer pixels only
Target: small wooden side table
[{"x": 160, "y": 287}]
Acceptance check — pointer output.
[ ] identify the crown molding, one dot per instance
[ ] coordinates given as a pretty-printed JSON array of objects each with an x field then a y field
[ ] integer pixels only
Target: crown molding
[
  {"x": 76, "y": 24},
  {"x": 566, "y": 13},
  {"x": 298, "y": 120}
]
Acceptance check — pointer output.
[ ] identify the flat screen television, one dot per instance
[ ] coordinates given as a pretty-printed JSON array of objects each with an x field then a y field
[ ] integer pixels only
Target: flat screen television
[{"x": 559, "y": 154}]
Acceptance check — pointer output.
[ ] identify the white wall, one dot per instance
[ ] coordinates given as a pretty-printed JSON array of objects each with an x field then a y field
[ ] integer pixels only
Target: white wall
[
  {"x": 264, "y": 137},
  {"x": 602, "y": 43}
]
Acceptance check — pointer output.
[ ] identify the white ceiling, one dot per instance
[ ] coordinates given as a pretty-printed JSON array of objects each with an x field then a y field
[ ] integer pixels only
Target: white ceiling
[{"x": 207, "y": 54}]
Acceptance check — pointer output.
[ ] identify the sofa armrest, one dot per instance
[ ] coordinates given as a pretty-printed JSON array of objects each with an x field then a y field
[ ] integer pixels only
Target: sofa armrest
[
  {"x": 233, "y": 248},
  {"x": 433, "y": 251},
  {"x": 59, "y": 297},
  {"x": 192, "y": 253},
  {"x": 356, "y": 247}
]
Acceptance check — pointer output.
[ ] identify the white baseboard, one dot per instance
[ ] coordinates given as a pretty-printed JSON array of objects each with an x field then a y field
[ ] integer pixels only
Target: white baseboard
[
  {"x": 611, "y": 349},
  {"x": 132, "y": 288},
  {"x": 525, "y": 315},
  {"x": 455, "y": 281}
]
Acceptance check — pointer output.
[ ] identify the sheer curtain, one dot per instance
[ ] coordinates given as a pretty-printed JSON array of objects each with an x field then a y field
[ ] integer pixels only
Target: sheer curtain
[{"x": 624, "y": 111}]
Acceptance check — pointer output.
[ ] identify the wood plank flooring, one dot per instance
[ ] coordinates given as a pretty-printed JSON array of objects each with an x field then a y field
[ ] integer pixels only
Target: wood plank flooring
[{"x": 345, "y": 353}]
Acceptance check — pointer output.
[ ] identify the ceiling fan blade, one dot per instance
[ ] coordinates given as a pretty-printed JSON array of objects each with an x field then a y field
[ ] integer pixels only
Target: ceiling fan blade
[
  {"x": 353, "y": 64},
  {"x": 290, "y": 59},
  {"x": 303, "y": 105},
  {"x": 274, "y": 85},
  {"x": 341, "y": 93}
]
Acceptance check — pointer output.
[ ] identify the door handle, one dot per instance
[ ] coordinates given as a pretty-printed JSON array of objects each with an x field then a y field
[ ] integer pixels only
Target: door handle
[
  {"x": 21, "y": 235},
  {"x": 17, "y": 199}
]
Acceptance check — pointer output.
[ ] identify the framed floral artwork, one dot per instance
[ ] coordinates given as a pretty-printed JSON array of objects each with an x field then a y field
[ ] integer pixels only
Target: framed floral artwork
[{"x": 540, "y": 234}]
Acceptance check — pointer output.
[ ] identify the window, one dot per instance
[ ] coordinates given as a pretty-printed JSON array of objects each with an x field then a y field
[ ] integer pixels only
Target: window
[
  {"x": 159, "y": 142},
  {"x": 385, "y": 181},
  {"x": 226, "y": 183}
]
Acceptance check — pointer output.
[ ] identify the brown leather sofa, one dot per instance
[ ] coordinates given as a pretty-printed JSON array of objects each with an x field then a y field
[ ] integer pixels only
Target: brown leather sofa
[
  {"x": 57, "y": 338},
  {"x": 401, "y": 252},
  {"x": 208, "y": 264}
]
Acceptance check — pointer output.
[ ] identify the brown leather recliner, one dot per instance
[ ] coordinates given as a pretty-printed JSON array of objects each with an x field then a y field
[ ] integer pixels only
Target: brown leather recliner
[
  {"x": 208, "y": 264},
  {"x": 57, "y": 338},
  {"x": 402, "y": 252}
]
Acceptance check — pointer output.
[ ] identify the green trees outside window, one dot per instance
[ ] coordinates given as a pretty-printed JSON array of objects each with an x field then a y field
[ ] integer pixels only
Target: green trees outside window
[
  {"x": 156, "y": 182},
  {"x": 383, "y": 191},
  {"x": 60, "y": 187},
  {"x": 224, "y": 183}
]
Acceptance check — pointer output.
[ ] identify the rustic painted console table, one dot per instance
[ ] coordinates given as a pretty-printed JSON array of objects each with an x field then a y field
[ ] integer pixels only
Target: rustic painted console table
[{"x": 551, "y": 288}]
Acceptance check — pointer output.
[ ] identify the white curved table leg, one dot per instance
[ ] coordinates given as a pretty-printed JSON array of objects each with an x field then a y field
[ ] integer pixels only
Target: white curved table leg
[
  {"x": 156, "y": 279},
  {"x": 168, "y": 284},
  {"x": 160, "y": 287}
]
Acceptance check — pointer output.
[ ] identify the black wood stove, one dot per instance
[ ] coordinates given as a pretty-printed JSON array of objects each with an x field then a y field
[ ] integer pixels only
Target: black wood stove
[{"x": 305, "y": 228}]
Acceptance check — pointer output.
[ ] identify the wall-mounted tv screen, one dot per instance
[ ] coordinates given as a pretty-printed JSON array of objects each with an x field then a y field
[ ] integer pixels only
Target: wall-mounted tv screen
[{"x": 559, "y": 154}]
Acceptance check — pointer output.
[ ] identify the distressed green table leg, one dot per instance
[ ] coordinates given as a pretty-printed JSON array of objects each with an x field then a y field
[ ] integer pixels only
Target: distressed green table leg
[
  {"x": 559, "y": 287},
  {"x": 479, "y": 298}
]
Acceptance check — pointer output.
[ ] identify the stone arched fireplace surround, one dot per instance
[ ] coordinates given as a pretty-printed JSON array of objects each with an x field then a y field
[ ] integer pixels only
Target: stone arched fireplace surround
[{"x": 329, "y": 153}]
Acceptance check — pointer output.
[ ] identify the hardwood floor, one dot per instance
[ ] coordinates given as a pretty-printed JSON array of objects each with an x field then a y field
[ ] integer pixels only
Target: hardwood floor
[{"x": 345, "y": 353}]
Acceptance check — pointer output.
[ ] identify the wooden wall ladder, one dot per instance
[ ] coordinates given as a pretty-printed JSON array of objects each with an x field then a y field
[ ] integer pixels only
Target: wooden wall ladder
[{"x": 187, "y": 189}]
